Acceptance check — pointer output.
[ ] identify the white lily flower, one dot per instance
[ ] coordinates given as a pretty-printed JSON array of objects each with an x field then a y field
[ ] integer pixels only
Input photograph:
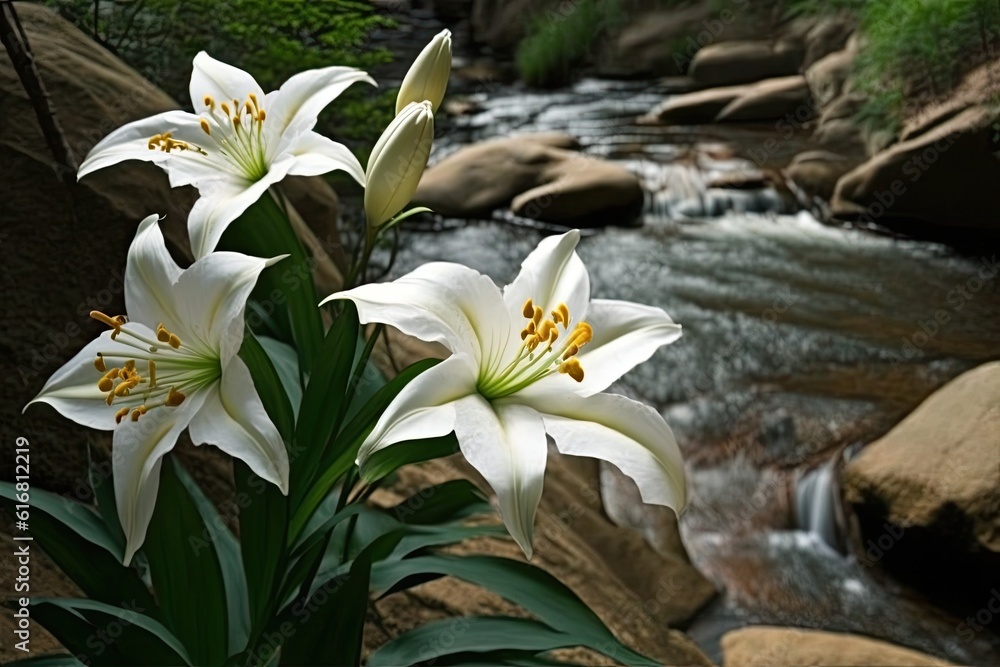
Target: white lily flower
[
  {"x": 170, "y": 364},
  {"x": 239, "y": 144},
  {"x": 427, "y": 78},
  {"x": 527, "y": 361}
]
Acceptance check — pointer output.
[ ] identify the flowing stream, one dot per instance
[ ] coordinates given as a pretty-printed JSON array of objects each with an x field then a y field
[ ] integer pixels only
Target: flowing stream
[{"x": 801, "y": 341}]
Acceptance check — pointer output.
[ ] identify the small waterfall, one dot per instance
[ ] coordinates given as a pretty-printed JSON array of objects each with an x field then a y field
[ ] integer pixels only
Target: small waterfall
[{"x": 817, "y": 505}]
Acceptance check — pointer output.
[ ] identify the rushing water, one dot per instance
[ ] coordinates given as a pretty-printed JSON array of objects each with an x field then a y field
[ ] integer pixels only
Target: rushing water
[{"x": 800, "y": 340}]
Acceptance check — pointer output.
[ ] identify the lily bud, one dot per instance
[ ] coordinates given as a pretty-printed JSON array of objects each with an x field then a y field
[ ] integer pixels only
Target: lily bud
[
  {"x": 397, "y": 162},
  {"x": 427, "y": 78}
]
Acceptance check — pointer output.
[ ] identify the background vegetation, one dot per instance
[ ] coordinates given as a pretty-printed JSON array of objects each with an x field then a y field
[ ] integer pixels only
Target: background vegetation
[{"x": 271, "y": 39}]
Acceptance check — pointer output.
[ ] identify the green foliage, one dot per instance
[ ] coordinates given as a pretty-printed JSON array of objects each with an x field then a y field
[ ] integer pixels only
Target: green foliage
[
  {"x": 914, "y": 49},
  {"x": 271, "y": 39}
]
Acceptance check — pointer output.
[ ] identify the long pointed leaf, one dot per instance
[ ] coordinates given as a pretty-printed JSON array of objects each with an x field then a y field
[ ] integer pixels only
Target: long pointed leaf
[{"x": 186, "y": 573}]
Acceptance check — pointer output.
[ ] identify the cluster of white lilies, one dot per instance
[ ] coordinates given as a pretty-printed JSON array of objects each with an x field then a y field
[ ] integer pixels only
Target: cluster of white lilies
[{"x": 529, "y": 361}]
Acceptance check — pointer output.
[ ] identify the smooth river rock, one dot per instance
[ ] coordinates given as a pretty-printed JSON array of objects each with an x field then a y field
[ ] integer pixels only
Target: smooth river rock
[
  {"x": 537, "y": 177},
  {"x": 732, "y": 63},
  {"x": 786, "y": 96},
  {"x": 694, "y": 108},
  {"x": 939, "y": 469},
  {"x": 764, "y": 646},
  {"x": 945, "y": 177}
]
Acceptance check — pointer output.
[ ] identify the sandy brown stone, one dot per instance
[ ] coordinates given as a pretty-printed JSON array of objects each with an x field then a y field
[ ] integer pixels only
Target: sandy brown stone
[
  {"x": 694, "y": 108},
  {"x": 791, "y": 647},
  {"x": 737, "y": 62},
  {"x": 784, "y": 97}
]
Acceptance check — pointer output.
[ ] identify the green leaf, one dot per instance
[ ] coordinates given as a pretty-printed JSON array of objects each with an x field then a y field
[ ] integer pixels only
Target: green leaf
[
  {"x": 185, "y": 569},
  {"x": 227, "y": 548},
  {"x": 334, "y": 464},
  {"x": 284, "y": 290},
  {"x": 450, "y": 501},
  {"x": 468, "y": 634},
  {"x": 263, "y": 525},
  {"x": 79, "y": 543},
  {"x": 331, "y": 622},
  {"x": 109, "y": 635},
  {"x": 393, "y": 457},
  {"x": 286, "y": 362},
  {"x": 269, "y": 386},
  {"x": 99, "y": 473},
  {"x": 523, "y": 584},
  {"x": 324, "y": 401}
]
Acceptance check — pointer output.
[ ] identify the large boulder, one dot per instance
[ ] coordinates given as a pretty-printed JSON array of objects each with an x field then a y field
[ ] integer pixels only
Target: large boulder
[
  {"x": 694, "y": 108},
  {"x": 732, "y": 63},
  {"x": 763, "y": 646},
  {"x": 828, "y": 35},
  {"x": 945, "y": 177},
  {"x": 838, "y": 130},
  {"x": 936, "y": 476},
  {"x": 940, "y": 467},
  {"x": 656, "y": 43},
  {"x": 814, "y": 174},
  {"x": 536, "y": 177},
  {"x": 827, "y": 77},
  {"x": 786, "y": 96}
]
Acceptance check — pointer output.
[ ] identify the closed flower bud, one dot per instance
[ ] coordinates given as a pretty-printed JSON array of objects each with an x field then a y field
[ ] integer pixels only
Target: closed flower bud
[
  {"x": 397, "y": 162},
  {"x": 428, "y": 76}
]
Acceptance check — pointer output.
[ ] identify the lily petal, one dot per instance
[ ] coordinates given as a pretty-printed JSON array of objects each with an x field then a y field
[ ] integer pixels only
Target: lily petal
[
  {"x": 212, "y": 295},
  {"x": 150, "y": 274},
  {"x": 295, "y": 106},
  {"x": 631, "y": 436},
  {"x": 224, "y": 83},
  {"x": 552, "y": 274},
  {"x": 424, "y": 408},
  {"x": 223, "y": 200},
  {"x": 316, "y": 154},
  {"x": 506, "y": 443},
  {"x": 441, "y": 302},
  {"x": 625, "y": 335},
  {"x": 138, "y": 449},
  {"x": 131, "y": 142},
  {"x": 72, "y": 390},
  {"x": 234, "y": 420}
]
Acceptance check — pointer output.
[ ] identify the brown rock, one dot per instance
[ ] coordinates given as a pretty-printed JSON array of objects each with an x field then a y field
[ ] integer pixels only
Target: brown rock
[
  {"x": 732, "y": 63},
  {"x": 837, "y": 130},
  {"x": 694, "y": 108},
  {"x": 815, "y": 173},
  {"x": 537, "y": 178},
  {"x": 656, "y": 43},
  {"x": 827, "y": 77},
  {"x": 791, "y": 647},
  {"x": 828, "y": 35},
  {"x": 939, "y": 468},
  {"x": 769, "y": 100},
  {"x": 924, "y": 174}
]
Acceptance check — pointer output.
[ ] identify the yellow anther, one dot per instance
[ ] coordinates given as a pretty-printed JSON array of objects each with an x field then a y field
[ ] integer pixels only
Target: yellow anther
[
  {"x": 537, "y": 316},
  {"x": 209, "y": 102},
  {"x": 582, "y": 334},
  {"x": 152, "y": 373},
  {"x": 570, "y": 351},
  {"x": 138, "y": 412},
  {"x": 573, "y": 369},
  {"x": 533, "y": 342},
  {"x": 105, "y": 384},
  {"x": 225, "y": 109},
  {"x": 99, "y": 363},
  {"x": 205, "y": 128},
  {"x": 112, "y": 322},
  {"x": 544, "y": 330},
  {"x": 122, "y": 389},
  {"x": 174, "y": 398},
  {"x": 530, "y": 328},
  {"x": 261, "y": 115},
  {"x": 525, "y": 333},
  {"x": 162, "y": 334},
  {"x": 109, "y": 398},
  {"x": 174, "y": 341},
  {"x": 130, "y": 365},
  {"x": 561, "y": 315},
  {"x": 120, "y": 415},
  {"x": 529, "y": 308}
]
